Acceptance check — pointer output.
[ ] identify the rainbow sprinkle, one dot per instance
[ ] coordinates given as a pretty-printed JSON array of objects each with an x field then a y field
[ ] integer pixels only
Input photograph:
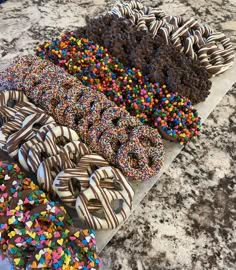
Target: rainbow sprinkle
[{"x": 153, "y": 104}]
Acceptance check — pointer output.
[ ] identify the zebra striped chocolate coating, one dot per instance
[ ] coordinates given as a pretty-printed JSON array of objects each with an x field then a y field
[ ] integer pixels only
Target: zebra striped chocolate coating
[
  {"x": 197, "y": 41},
  {"x": 68, "y": 157},
  {"x": 76, "y": 150},
  {"x": 217, "y": 60},
  {"x": 8, "y": 113},
  {"x": 26, "y": 131},
  {"x": 89, "y": 163},
  {"x": 86, "y": 166},
  {"x": 25, "y": 148},
  {"x": 68, "y": 182},
  {"x": 56, "y": 133},
  {"x": 14, "y": 125},
  {"x": 12, "y": 95},
  {"x": 50, "y": 167},
  {"x": 107, "y": 184},
  {"x": 38, "y": 153},
  {"x": 24, "y": 151}
]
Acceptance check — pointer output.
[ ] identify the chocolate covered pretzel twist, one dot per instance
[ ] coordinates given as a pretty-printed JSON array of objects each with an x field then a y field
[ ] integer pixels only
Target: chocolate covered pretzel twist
[
  {"x": 51, "y": 149},
  {"x": 69, "y": 183},
  {"x": 83, "y": 107},
  {"x": 23, "y": 152},
  {"x": 28, "y": 130},
  {"x": 161, "y": 63},
  {"x": 107, "y": 185},
  {"x": 15, "y": 124}
]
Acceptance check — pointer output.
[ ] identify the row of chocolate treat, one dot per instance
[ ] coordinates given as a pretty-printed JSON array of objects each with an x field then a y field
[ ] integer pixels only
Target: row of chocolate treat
[
  {"x": 170, "y": 113},
  {"x": 153, "y": 65},
  {"x": 182, "y": 54},
  {"x": 196, "y": 40},
  {"x": 63, "y": 164},
  {"x": 123, "y": 140}
]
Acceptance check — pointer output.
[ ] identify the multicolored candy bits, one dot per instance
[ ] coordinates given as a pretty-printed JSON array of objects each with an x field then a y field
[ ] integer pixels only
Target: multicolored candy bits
[
  {"x": 153, "y": 104},
  {"x": 36, "y": 232}
]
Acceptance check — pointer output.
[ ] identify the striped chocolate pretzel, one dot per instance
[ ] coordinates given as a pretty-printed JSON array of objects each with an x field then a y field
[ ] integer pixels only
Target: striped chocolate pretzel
[
  {"x": 26, "y": 147},
  {"x": 28, "y": 130},
  {"x": 50, "y": 167},
  {"x": 70, "y": 182},
  {"x": 107, "y": 185},
  {"x": 59, "y": 137},
  {"x": 10, "y": 102},
  {"x": 14, "y": 125},
  {"x": 11, "y": 97}
]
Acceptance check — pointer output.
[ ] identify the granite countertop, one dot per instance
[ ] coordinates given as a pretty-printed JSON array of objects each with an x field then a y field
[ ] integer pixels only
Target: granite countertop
[{"x": 188, "y": 219}]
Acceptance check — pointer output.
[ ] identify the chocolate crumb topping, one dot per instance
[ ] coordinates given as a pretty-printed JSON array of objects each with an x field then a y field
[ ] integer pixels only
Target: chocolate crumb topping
[{"x": 160, "y": 62}]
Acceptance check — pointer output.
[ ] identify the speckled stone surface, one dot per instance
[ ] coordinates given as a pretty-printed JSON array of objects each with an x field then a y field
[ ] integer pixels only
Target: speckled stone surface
[{"x": 188, "y": 220}]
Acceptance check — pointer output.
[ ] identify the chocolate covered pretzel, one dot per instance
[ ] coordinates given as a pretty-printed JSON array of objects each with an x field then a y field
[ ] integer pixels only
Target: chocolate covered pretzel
[
  {"x": 12, "y": 126},
  {"x": 70, "y": 182},
  {"x": 28, "y": 130},
  {"x": 106, "y": 185},
  {"x": 50, "y": 167},
  {"x": 26, "y": 147},
  {"x": 81, "y": 108}
]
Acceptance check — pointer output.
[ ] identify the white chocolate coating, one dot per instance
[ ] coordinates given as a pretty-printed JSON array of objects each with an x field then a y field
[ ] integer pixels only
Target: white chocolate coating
[
  {"x": 101, "y": 190},
  {"x": 25, "y": 148},
  {"x": 63, "y": 184},
  {"x": 67, "y": 184},
  {"x": 76, "y": 150},
  {"x": 60, "y": 131},
  {"x": 37, "y": 153},
  {"x": 13, "y": 125},
  {"x": 17, "y": 96},
  {"x": 26, "y": 132},
  {"x": 50, "y": 167}
]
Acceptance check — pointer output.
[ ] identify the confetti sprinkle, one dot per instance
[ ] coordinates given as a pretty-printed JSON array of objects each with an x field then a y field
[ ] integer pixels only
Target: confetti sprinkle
[{"x": 36, "y": 232}]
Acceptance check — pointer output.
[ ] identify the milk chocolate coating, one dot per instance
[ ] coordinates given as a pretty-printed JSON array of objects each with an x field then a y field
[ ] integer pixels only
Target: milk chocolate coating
[{"x": 160, "y": 62}]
